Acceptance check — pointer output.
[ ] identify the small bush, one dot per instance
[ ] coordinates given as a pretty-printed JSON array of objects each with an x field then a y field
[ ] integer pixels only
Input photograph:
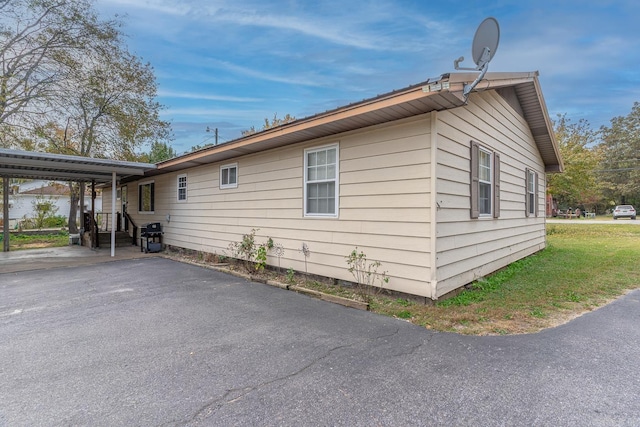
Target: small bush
[
  {"x": 57, "y": 221},
  {"x": 369, "y": 281},
  {"x": 291, "y": 273},
  {"x": 250, "y": 253}
]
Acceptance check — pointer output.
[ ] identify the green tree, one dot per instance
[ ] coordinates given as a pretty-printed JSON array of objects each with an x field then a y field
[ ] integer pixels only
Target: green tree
[
  {"x": 578, "y": 184},
  {"x": 620, "y": 166},
  {"x": 44, "y": 208},
  {"x": 268, "y": 124},
  {"x": 109, "y": 108},
  {"x": 36, "y": 38},
  {"x": 158, "y": 152},
  {"x": 200, "y": 147}
]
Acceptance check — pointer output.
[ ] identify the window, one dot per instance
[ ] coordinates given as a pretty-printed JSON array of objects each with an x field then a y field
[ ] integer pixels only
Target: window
[
  {"x": 146, "y": 197},
  {"x": 182, "y": 188},
  {"x": 485, "y": 182},
  {"x": 229, "y": 176},
  {"x": 531, "y": 193},
  {"x": 321, "y": 181}
]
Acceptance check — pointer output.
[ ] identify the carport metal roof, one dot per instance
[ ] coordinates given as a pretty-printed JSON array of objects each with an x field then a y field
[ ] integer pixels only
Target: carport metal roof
[{"x": 33, "y": 165}]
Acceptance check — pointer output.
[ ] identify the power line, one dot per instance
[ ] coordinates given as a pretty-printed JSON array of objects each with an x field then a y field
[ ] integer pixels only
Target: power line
[
  {"x": 623, "y": 161},
  {"x": 617, "y": 170}
]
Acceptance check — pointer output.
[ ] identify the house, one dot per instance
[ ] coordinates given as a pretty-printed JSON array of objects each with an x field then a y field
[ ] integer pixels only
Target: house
[
  {"x": 26, "y": 194},
  {"x": 440, "y": 189}
]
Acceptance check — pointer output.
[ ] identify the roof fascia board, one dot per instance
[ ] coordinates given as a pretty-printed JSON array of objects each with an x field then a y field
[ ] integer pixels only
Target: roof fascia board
[
  {"x": 501, "y": 78},
  {"x": 410, "y": 94},
  {"x": 549, "y": 124},
  {"x": 497, "y": 80},
  {"x": 492, "y": 80}
]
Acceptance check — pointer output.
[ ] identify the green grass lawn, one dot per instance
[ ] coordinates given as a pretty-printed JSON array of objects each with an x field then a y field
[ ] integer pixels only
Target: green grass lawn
[
  {"x": 20, "y": 241},
  {"x": 583, "y": 267}
]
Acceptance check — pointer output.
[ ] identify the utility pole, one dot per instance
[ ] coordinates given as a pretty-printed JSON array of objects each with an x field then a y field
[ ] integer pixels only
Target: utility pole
[{"x": 215, "y": 133}]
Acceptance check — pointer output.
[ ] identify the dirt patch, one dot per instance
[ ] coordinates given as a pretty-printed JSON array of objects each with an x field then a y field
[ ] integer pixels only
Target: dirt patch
[{"x": 39, "y": 245}]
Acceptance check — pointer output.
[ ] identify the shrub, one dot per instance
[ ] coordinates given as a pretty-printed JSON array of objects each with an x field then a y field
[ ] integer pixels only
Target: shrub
[
  {"x": 369, "y": 281},
  {"x": 56, "y": 221},
  {"x": 250, "y": 253}
]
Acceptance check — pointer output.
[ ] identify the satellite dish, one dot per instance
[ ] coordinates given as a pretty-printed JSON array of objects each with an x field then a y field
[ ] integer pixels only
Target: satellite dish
[
  {"x": 487, "y": 37},
  {"x": 485, "y": 45}
]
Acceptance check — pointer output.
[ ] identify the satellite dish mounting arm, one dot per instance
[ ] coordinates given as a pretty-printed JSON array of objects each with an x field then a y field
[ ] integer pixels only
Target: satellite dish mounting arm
[
  {"x": 483, "y": 66},
  {"x": 485, "y": 44}
]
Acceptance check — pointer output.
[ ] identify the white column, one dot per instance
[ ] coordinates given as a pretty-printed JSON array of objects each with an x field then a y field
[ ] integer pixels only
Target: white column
[{"x": 113, "y": 214}]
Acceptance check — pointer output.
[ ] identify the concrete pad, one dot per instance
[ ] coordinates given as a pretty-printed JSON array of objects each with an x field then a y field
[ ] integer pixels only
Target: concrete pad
[{"x": 66, "y": 256}]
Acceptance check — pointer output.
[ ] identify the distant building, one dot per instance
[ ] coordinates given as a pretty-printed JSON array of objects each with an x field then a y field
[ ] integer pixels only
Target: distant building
[{"x": 24, "y": 197}]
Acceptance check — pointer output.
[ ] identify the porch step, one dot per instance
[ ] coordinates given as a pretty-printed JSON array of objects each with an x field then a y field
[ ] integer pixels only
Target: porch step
[{"x": 122, "y": 239}]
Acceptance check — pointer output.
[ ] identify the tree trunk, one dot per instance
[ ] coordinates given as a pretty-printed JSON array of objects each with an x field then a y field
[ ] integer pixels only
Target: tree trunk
[{"x": 73, "y": 208}]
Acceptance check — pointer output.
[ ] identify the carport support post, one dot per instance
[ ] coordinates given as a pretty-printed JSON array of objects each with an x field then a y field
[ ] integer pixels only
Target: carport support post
[
  {"x": 95, "y": 242},
  {"x": 5, "y": 213},
  {"x": 113, "y": 213}
]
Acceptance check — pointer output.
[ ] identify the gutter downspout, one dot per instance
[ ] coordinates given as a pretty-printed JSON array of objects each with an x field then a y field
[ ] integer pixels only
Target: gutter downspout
[{"x": 433, "y": 225}]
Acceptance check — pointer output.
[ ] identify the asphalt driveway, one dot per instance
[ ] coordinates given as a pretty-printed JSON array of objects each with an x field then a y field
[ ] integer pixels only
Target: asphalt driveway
[{"x": 153, "y": 342}]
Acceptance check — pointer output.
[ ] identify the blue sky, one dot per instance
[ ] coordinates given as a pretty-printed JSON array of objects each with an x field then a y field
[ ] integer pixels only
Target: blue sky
[{"x": 228, "y": 64}]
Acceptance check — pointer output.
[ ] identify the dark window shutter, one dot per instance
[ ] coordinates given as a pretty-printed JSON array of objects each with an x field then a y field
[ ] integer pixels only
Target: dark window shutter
[
  {"x": 152, "y": 191},
  {"x": 475, "y": 180},
  {"x": 535, "y": 189},
  {"x": 527, "y": 175},
  {"x": 496, "y": 185},
  {"x": 139, "y": 198}
]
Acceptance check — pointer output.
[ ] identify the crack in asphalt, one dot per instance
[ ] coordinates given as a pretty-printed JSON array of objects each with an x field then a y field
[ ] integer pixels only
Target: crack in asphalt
[{"x": 236, "y": 394}]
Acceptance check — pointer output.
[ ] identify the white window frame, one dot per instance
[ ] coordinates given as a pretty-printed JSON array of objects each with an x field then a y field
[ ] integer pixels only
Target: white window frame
[
  {"x": 477, "y": 150},
  {"x": 181, "y": 187},
  {"x": 227, "y": 168},
  {"x": 531, "y": 204},
  {"x": 152, "y": 201},
  {"x": 335, "y": 180},
  {"x": 482, "y": 182}
]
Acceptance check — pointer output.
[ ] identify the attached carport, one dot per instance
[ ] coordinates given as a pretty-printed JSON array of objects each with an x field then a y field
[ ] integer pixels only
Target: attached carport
[{"x": 58, "y": 167}]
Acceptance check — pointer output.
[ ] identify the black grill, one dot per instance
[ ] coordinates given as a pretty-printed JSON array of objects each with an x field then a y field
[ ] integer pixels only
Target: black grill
[
  {"x": 149, "y": 230},
  {"x": 151, "y": 237}
]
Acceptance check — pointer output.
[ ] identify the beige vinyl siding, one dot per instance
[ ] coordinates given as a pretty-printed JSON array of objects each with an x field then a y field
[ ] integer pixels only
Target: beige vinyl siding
[
  {"x": 470, "y": 248},
  {"x": 384, "y": 205}
]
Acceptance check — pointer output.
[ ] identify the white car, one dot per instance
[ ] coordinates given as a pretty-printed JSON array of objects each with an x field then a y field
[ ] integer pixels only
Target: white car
[{"x": 624, "y": 211}]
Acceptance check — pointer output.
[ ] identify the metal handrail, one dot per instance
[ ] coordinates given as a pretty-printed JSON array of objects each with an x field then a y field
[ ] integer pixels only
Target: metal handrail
[{"x": 134, "y": 237}]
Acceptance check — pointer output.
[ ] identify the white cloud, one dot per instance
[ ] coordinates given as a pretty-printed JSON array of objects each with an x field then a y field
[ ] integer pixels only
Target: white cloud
[
  {"x": 206, "y": 97},
  {"x": 163, "y": 7},
  {"x": 262, "y": 75},
  {"x": 208, "y": 113}
]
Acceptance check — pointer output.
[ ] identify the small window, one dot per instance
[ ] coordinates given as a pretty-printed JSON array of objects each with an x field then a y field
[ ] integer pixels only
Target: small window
[
  {"x": 229, "y": 176},
  {"x": 146, "y": 197},
  {"x": 485, "y": 182},
  {"x": 484, "y": 189},
  {"x": 531, "y": 193},
  {"x": 182, "y": 188},
  {"x": 321, "y": 181}
]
